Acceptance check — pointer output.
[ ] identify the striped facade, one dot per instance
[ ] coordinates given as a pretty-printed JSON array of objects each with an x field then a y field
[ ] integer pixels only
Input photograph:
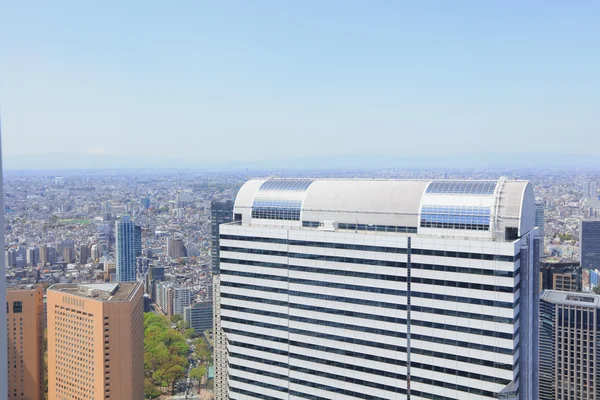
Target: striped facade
[{"x": 317, "y": 306}]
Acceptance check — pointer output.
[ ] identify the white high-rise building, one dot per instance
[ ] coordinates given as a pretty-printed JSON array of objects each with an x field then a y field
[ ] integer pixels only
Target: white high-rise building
[
  {"x": 125, "y": 248},
  {"x": 3, "y": 342},
  {"x": 369, "y": 289}
]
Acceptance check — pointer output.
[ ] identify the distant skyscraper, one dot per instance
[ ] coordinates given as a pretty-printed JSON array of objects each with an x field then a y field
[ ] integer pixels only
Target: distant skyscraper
[
  {"x": 590, "y": 190},
  {"x": 20, "y": 257},
  {"x": 540, "y": 222},
  {"x": 221, "y": 212},
  {"x": 67, "y": 255},
  {"x": 96, "y": 341},
  {"x": 52, "y": 255},
  {"x": 335, "y": 289},
  {"x": 145, "y": 202},
  {"x": 84, "y": 253},
  {"x": 589, "y": 243},
  {"x": 33, "y": 256},
  {"x": 125, "y": 249},
  {"x": 569, "y": 358},
  {"x": 43, "y": 253},
  {"x": 25, "y": 321},
  {"x": 3, "y": 343},
  {"x": 176, "y": 248},
  {"x": 138, "y": 240},
  {"x": 66, "y": 250}
]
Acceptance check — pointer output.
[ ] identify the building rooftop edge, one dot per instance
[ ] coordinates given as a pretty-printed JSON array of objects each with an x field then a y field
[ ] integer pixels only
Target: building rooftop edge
[{"x": 103, "y": 292}]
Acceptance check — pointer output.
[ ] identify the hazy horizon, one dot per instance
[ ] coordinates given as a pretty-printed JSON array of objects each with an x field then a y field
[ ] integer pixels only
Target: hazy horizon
[
  {"x": 347, "y": 162},
  {"x": 200, "y": 83}
]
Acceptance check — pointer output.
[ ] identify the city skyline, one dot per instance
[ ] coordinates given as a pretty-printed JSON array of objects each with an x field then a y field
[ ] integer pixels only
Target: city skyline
[
  {"x": 61, "y": 229},
  {"x": 273, "y": 200},
  {"x": 172, "y": 82}
]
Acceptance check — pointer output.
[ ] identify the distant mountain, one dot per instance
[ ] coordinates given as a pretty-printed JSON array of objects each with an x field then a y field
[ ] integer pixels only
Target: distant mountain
[{"x": 479, "y": 160}]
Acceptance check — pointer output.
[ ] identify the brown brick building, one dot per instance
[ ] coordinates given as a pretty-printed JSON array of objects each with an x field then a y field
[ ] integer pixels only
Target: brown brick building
[
  {"x": 96, "y": 341},
  {"x": 25, "y": 334}
]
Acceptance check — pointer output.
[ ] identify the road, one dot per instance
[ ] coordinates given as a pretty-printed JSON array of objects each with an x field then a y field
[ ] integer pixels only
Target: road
[{"x": 192, "y": 392}]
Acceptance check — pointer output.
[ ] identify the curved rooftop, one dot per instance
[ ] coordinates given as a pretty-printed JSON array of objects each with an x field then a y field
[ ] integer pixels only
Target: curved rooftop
[{"x": 500, "y": 210}]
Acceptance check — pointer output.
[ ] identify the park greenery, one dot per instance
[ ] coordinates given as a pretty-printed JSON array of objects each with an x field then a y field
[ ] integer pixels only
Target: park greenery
[
  {"x": 202, "y": 349},
  {"x": 198, "y": 373},
  {"x": 165, "y": 355}
]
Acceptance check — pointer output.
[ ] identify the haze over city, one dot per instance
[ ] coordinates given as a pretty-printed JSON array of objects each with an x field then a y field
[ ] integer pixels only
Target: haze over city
[{"x": 286, "y": 84}]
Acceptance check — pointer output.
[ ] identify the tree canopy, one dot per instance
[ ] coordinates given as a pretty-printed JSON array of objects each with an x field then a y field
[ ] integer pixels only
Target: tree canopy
[
  {"x": 198, "y": 373},
  {"x": 190, "y": 333},
  {"x": 165, "y": 354}
]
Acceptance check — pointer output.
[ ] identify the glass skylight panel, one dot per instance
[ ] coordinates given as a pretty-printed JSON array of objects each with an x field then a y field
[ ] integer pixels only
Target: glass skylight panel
[
  {"x": 456, "y": 217},
  {"x": 280, "y": 209},
  {"x": 286, "y": 184},
  {"x": 462, "y": 187}
]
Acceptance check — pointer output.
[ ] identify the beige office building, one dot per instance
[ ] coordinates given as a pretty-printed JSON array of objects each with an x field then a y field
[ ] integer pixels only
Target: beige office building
[
  {"x": 25, "y": 332},
  {"x": 219, "y": 344},
  {"x": 96, "y": 341}
]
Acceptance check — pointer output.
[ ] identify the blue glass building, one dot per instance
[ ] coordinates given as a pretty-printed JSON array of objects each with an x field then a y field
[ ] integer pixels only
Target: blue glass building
[{"x": 125, "y": 234}]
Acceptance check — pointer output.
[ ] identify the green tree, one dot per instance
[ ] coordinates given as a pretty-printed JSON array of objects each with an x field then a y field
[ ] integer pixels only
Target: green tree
[
  {"x": 173, "y": 373},
  {"x": 190, "y": 333},
  {"x": 150, "y": 390},
  {"x": 176, "y": 318},
  {"x": 165, "y": 354},
  {"x": 198, "y": 373},
  {"x": 596, "y": 289},
  {"x": 203, "y": 350}
]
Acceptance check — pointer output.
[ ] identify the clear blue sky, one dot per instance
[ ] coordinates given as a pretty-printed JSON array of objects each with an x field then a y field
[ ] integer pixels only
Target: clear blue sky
[{"x": 249, "y": 80}]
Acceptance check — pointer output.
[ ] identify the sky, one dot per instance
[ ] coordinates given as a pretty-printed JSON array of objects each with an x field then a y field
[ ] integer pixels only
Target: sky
[{"x": 247, "y": 81}]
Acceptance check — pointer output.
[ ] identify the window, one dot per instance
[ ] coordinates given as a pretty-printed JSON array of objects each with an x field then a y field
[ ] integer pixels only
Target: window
[
  {"x": 456, "y": 217},
  {"x": 17, "y": 307},
  {"x": 286, "y": 184},
  {"x": 276, "y": 209},
  {"x": 462, "y": 187}
]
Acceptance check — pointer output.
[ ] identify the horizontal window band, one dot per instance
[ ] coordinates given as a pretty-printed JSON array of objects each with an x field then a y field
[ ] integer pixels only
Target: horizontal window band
[
  {"x": 320, "y": 386},
  {"x": 362, "y": 382},
  {"x": 256, "y": 383},
  {"x": 383, "y": 263},
  {"x": 435, "y": 296},
  {"x": 251, "y": 394},
  {"x": 383, "y": 249},
  {"x": 380, "y": 345},
  {"x": 374, "y": 317},
  {"x": 429, "y": 310},
  {"x": 424, "y": 281},
  {"x": 360, "y": 356}
]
